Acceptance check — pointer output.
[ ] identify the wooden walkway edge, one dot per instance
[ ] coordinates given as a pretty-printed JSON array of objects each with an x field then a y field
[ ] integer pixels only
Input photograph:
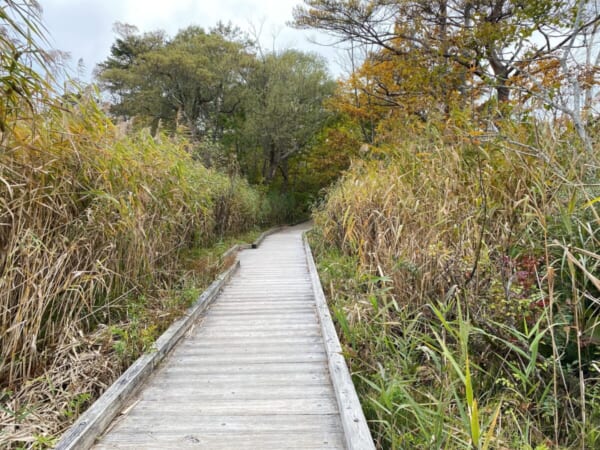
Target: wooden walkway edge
[
  {"x": 356, "y": 430},
  {"x": 258, "y": 365}
]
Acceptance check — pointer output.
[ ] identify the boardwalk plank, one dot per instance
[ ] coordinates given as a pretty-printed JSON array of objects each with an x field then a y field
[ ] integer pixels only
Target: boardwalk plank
[
  {"x": 260, "y": 309},
  {"x": 296, "y": 406},
  {"x": 245, "y": 340},
  {"x": 257, "y": 379},
  {"x": 197, "y": 394},
  {"x": 283, "y": 320},
  {"x": 233, "y": 368},
  {"x": 274, "y": 333},
  {"x": 210, "y": 348},
  {"x": 158, "y": 440},
  {"x": 190, "y": 423},
  {"x": 249, "y": 359}
]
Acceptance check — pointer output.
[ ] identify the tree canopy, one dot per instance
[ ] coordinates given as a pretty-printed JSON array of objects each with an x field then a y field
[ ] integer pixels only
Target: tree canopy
[
  {"x": 283, "y": 110},
  {"x": 490, "y": 42},
  {"x": 261, "y": 109},
  {"x": 192, "y": 80}
]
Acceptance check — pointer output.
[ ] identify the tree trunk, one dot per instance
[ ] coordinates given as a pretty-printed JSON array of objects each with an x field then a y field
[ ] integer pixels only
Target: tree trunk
[
  {"x": 271, "y": 164},
  {"x": 284, "y": 169},
  {"x": 501, "y": 75},
  {"x": 502, "y": 91}
]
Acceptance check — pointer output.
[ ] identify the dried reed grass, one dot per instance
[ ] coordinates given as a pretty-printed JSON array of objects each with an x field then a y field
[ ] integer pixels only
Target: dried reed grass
[
  {"x": 89, "y": 222},
  {"x": 460, "y": 231}
]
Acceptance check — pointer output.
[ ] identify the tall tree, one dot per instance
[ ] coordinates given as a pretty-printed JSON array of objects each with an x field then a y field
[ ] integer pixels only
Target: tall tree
[
  {"x": 134, "y": 91},
  {"x": 491, "y": 39},
  {"x": 283, "y": 112},
  {"x": 191, "y": 80}
]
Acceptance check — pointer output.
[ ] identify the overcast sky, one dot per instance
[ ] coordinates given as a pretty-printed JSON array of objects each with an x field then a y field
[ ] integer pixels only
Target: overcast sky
[{"x": 83, "y": 28}]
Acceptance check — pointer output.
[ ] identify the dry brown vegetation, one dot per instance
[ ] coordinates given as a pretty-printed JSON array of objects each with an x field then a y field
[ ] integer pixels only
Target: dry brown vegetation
[
  {"x": 90, "y": 223},
  {"x": 463, "y": 253},
  {"x": 88, "y": 217}
]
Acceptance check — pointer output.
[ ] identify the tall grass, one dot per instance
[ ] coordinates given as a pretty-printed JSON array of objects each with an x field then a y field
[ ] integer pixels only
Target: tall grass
[
  {"x": 93, "y": 229},
  {"x": 473, "y": 323},
  {"x": 87, "y": 216}
]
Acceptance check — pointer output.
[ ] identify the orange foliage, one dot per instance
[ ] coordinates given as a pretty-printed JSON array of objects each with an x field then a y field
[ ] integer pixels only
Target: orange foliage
[{"x": 411, "y": 87}]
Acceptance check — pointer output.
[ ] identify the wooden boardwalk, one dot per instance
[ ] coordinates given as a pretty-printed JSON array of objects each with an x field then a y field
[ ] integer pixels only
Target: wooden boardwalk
[{"x": 253, "y": 372}]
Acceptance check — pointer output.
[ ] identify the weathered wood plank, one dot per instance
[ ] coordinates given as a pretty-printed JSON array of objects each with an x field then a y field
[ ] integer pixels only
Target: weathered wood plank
[
  {"x": 248, "y": 359},
  {"x": 264, "y": 340},
  {"x": 247, "y": 349},
  {"x": 275, "y": 312},
  {"x": 267, "y": 310},
  {"x": 261, "y": 308},
  {"x": 257, "y": 340},
  {"x": 265, "y": 301},
  {"x": 196, "y": 394},
  {"x": 274, "y": 333},
  {"x": 159, "y": 440},
  {"x": 252, "y": 407},
  {"x": 262, "y": 312},
  {"x": 221, "y": 328},
  {"x": 188, "y": 423},
  {"x": 282, "y": 319},
  {"x": 233, "y": 367},
  {"x": 260, "y": 322},
  {"x": 264, "y": 330},
  {"x": 267, "y": 297},
  {"x": 292, "y": 281},
  {"x": 182, "y": 379}
]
